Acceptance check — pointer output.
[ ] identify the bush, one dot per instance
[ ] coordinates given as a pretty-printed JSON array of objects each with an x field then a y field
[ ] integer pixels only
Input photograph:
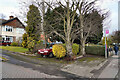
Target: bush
[
  {"x": 38, "y": 45},
  {"x": 24, "y": 44},
  {"x": 14, "y": 44},
  {"x": 31, "y": 43},
  {"x": 59, "y": 50},
  {"x": 95, "y": 50},
  {"x": 24, "y": 40},
  {"x": 75, "y": 49}
]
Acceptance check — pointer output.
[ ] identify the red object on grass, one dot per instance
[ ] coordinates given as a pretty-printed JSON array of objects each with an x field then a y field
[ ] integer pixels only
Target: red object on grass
[{"x": 5, "y": 43}]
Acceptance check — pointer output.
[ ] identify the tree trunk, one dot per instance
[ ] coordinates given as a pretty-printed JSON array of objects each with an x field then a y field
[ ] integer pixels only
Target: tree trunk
[
  {"x": 82, "y": 40},
  {"x": 83, "y": 47},
  {"x": 69, "y": 48}
]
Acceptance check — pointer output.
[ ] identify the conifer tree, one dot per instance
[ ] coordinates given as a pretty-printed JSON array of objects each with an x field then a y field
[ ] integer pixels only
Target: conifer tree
[
  {"x": 33, "y": 28},
  {"x": 33, "y": 22}
]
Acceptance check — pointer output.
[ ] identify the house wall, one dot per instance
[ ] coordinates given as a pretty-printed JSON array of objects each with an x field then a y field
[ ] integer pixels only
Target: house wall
[
  {"x": 0, "y": 30},
  {"x": 16, "y": 33}
]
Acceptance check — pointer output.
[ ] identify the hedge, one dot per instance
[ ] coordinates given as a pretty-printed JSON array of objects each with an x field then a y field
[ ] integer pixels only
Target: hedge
[{"x": 95, "y": 50}]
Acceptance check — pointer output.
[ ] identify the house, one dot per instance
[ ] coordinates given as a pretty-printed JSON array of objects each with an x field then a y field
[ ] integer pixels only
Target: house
[{"x": 12, "y": 29}]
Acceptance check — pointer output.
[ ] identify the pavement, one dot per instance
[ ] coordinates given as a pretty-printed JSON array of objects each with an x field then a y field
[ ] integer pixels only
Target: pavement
[
  {"x": 83, "y": 69},
  {"x": 111, "y": 70},
  {"x": 106, "y": 70}
]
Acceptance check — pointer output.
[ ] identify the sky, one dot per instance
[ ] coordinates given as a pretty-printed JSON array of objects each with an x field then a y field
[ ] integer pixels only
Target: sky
[{"x": 12, "y": 7}]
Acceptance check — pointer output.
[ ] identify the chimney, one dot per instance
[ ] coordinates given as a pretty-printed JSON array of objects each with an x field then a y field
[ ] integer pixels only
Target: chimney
[{"x": 11, "y": 17}]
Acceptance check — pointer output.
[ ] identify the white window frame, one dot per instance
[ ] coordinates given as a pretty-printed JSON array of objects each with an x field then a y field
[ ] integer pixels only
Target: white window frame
[{"x": 8, "y": 27}]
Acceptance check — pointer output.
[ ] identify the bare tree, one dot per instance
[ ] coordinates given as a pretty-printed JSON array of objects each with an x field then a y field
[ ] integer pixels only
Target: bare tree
[
  {"x": 86, "y": 7},
  {"x": 2, "y": 16},
  {"x": 68, "y": 18}
]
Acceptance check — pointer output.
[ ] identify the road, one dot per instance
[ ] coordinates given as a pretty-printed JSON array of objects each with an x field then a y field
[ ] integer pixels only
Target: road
[
  {"x": 15, "y": 68},
  {"x": 18, "y": 68},
  {"x": 15, "y": 71}
]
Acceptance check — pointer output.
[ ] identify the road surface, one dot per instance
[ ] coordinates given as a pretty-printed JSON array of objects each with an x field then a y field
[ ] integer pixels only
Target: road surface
[{"x": 15, "y": 68}]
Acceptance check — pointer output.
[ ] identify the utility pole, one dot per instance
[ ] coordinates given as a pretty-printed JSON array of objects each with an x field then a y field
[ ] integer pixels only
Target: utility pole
[{"x": 106, "y": 32}]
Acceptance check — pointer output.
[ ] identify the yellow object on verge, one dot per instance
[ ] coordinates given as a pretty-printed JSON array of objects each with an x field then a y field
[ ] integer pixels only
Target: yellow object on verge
[{"x": 59, "y": 51}]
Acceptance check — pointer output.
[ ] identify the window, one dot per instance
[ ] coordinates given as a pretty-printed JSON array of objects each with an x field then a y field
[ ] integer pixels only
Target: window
[
  {"x": 9, "y": 28},
  {"x": 3, "y": 28},
  {"x": 9, "y": 38},
  {"x": 3, "y": 38}
]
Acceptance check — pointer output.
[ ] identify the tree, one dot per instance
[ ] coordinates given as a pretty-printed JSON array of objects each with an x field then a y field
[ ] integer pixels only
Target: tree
[
  {"x": 33, "y": 24},
  {"x": 52, "y": 17},
  {"x": 85, "y": 28},
  {"x": 116, "y": 37},
  {"x": 68, "y": 19},
  {"x": 2, "y": 16},
  {"x": 41, "y": 7},
  {"x": 98, "y": 29}
]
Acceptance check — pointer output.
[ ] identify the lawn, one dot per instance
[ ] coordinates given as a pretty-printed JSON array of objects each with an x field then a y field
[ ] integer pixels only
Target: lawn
[{"x": 14, "y": 49}]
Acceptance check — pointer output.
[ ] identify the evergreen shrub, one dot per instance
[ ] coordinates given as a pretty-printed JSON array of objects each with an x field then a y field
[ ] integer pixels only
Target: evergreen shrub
[
  {"x": 59, "y": 50},
  {"x": 14, "y": 44}
]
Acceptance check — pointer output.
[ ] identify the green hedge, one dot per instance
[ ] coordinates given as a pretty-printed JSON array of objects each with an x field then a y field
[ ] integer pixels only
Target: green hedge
[{"x": 95, "y": 50}]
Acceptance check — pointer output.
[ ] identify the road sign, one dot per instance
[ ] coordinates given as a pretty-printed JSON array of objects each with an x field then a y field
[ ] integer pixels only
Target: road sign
[{"x": 107, "y": 31}]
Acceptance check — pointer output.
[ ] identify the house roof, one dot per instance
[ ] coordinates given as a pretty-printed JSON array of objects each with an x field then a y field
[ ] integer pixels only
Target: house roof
[{"x": 10, "y": 20}]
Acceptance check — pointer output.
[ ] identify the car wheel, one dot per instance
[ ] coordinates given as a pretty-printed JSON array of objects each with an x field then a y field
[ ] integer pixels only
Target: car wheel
[
  {"x": 51, "y": 55},
  {"x": 38, "y": 55}
]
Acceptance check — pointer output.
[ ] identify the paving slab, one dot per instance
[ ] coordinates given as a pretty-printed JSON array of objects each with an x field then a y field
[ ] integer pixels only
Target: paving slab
[{"x": 112, "y": 68}]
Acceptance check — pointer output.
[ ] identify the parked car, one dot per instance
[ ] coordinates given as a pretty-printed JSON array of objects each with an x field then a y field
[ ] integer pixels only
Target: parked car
[
  {"x": 46, "y": 52},
  {"x": 5, "y": 43}
]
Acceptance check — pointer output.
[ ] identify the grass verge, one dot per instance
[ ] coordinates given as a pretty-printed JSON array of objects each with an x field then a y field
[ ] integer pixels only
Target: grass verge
[
  {"x": 14, "y": 49},
  {"x": 91, "y": 58}
]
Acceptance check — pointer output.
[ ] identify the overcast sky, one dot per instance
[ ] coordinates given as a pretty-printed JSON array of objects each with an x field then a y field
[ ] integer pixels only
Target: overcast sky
[{"x": 11, "y": 7}]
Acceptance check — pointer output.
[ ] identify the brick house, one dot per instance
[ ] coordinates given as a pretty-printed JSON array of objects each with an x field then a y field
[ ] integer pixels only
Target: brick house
[{"x": 12, "y": 29}]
